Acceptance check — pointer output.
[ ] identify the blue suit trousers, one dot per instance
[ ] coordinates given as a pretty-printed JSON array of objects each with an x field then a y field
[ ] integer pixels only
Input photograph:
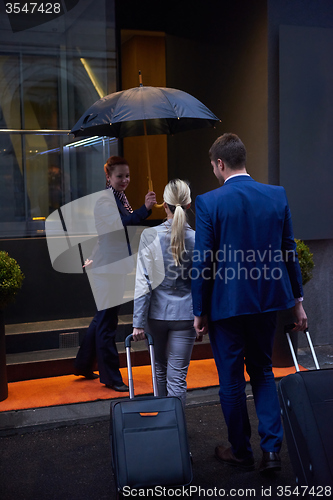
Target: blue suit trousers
[{"x": 247, "y": 338}]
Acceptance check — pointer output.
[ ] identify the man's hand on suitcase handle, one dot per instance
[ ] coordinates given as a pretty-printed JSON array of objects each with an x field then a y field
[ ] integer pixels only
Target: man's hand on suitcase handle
[
  {"x": 301, "y": 318},
  {"x": 138, "y": 334}
]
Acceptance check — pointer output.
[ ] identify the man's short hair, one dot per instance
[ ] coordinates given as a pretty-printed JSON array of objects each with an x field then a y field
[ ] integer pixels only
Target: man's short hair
[{"x": 230, "y": 149}]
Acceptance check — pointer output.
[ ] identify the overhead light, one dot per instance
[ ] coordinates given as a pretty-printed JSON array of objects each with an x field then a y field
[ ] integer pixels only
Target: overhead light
[
  {"x": 89, "y": 141},
  {"x": 92, "y": 77},
  {"x": 84, "y": 142}
]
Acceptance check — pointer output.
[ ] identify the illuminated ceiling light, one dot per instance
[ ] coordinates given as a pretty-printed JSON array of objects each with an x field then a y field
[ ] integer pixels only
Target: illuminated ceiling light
[
  {"x": 85, "y": 142},
  {"x": 92, "y": 77}
]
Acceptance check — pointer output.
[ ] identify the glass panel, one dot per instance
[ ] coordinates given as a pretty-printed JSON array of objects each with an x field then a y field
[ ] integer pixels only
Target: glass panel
[
  {"x": 40, "y": 92},
  {"x": 12, "y": 197},
  {"x": 10, "y": 107},
  {"x": 86, "y": 159},
  {"x": 49, "y": 75},
  {"x": 87, "y": 84},
  {"x": 44, "y": 174},
  {"x": 57, "y": 172}
]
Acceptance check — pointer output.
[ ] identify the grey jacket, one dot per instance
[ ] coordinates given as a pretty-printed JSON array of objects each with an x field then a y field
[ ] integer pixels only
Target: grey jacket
[{"x": 162, "y": 289}]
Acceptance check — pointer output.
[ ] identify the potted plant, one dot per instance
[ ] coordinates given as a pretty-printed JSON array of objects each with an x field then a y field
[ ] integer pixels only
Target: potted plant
[
  {"x": 11, "y": 279},
  {"x": 281, "y": 352},
  {"x": 305, "y": 258}
]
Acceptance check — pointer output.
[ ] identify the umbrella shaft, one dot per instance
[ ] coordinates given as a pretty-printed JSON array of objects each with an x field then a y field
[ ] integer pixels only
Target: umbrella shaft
[{"x": 150, "y": 182}]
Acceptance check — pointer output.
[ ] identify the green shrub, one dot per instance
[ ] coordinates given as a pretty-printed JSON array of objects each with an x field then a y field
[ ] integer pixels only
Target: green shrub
[
  {"x": 305, "y": 258},
  {"x": 11, "y": 279}
]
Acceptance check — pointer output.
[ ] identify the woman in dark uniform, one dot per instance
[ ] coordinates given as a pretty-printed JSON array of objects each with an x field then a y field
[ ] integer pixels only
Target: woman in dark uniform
[{"x": 99, "y": 340}]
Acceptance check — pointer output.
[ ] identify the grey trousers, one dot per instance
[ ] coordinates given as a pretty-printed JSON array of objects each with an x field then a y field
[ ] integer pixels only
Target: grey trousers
[{"x": 173, "y": 341}]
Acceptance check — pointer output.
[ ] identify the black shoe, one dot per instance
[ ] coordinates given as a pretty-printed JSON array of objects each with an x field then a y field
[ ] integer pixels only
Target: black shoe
[
  {"x": 87, "y": 375},
  {"x": 226, "y": 456},
  {"x": 119, "y": 388},
  {"x": 271, "y": 462}
]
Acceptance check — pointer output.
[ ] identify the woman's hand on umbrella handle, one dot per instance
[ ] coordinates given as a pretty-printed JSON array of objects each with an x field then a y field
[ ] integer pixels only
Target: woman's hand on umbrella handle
[
  {"x": 87, "y": 263},
  {"x": 138, "y": 334},
  {"x": 150, "y": 200}
]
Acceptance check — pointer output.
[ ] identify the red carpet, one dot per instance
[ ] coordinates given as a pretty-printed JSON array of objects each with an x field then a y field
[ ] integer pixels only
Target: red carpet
[{"x": 71, "y": 389}]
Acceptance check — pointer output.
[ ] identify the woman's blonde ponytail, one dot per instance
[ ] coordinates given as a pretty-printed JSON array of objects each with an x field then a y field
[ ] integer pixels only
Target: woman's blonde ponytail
[{"x": 177, "y": 195}]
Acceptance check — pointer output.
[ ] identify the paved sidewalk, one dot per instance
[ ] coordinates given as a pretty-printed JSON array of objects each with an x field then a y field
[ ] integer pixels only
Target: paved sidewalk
[
  {"x": 74, "y": 463},
  {"x": 63, "y": 452}
]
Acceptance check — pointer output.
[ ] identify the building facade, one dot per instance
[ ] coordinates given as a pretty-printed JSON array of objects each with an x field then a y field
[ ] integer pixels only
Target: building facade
[{"x": 264, "y": 68}]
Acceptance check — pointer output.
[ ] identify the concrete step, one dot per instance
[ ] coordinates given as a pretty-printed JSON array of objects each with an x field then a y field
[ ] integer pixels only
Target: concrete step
[
  {"x": 58, "y": 334},
  {"x": 48, "y": 349}
]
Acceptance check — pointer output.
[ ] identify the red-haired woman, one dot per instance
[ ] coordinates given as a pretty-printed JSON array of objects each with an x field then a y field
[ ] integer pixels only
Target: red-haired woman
[{"x": 99, "y": 340}]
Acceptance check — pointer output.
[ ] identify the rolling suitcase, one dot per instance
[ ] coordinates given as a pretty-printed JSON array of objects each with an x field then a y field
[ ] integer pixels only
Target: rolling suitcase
[
  {"x": 306, "y": 400},
  {"x": 148, "y": 437}
]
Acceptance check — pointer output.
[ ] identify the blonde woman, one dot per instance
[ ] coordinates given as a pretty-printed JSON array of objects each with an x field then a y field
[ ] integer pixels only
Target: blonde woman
[{"x": 165, "y": 311}]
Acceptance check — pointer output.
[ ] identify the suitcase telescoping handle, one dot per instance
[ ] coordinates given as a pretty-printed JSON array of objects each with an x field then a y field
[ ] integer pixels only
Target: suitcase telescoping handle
[
  {"x": 150, "y": 340},
  {"x": 287, "y": 329}
]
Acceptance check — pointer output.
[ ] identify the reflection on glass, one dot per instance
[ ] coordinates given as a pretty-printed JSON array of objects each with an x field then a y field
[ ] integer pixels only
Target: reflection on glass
[
  {"x": 10, "y": 105},
  {"x": 57, "y": 171},
  {"x": 49, "y": 75},
  {"x": 86, "y": 161},
  {"x": 40, "y": 92},
  {"x": 11, "y": 180},
  {"x": 44, "y": 173}
]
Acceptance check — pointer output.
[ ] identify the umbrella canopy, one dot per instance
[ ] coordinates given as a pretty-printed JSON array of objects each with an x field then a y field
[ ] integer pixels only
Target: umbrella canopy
[{"x": 144, "y": 110}]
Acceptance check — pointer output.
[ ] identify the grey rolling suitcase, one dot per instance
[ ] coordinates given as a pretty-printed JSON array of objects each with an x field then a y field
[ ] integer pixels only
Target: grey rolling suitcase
[
  {"x": 148, "y": 437},
  {"x": 306, "y": 400}
]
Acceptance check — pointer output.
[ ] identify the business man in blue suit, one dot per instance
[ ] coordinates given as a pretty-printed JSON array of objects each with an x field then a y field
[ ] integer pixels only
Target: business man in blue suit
[{"x": 245, "y": 269}]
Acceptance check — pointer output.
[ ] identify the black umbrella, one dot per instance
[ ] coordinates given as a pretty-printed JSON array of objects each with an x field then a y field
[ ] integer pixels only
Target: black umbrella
[
  {"x": 164, "y": 110},
  {"x": 144, "y": 111}
]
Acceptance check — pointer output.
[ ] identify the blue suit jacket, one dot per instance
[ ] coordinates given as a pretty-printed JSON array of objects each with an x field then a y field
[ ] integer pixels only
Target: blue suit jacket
[{"x": 245, "y": 258}]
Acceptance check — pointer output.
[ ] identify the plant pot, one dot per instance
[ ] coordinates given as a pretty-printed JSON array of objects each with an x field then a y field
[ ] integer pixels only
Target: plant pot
[
  {"x": 3, "y": 367},
  {"x": 281, "y": 356}
]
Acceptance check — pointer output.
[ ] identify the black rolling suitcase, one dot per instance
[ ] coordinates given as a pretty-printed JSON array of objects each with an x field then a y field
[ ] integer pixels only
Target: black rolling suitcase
[
  {"x": 306, "y": 400},
  {"x": 148, "y": 437}
]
